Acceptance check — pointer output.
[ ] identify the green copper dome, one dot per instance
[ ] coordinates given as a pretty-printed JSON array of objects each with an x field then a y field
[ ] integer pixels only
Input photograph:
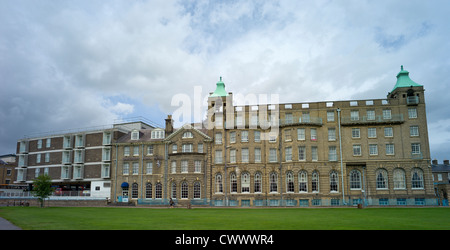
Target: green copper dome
[
  {"x": 403, "y": 80},
  {"x": 220, "y": 89}
]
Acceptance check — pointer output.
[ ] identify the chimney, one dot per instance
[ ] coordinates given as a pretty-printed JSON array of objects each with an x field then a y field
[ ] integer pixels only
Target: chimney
[
  {"x": 169, "y": 125},
  {"x": 445, "y": 162},
  {"x": 434, "y": 162}
]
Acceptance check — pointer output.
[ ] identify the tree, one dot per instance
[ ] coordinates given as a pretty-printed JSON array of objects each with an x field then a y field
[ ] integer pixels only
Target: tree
[{"x": 42, "y": 188}]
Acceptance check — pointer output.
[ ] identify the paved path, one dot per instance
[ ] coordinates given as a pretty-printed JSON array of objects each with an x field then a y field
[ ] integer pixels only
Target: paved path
[{"x": 6, "y": 225}]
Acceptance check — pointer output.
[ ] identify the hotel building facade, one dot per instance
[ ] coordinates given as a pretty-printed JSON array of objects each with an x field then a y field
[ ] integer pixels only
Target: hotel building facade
[{"x": 331, "y": 153}]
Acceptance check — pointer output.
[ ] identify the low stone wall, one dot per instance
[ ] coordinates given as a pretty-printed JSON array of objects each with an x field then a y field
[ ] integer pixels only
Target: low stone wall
[{"x": 53, "y": 203}]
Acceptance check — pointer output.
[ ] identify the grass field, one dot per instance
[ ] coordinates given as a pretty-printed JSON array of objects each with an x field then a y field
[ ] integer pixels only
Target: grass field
[{"x": 120, "y": 218}]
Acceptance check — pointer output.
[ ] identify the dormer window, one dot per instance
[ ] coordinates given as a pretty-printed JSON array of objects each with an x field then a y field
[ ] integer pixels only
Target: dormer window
[
  {"x": 135, "y": 135},
  {"x": 158, "y": 134}
]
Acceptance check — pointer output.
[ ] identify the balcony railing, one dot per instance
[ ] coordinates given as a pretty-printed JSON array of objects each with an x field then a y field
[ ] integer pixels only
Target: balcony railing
[{"x": 379, "y": 119}]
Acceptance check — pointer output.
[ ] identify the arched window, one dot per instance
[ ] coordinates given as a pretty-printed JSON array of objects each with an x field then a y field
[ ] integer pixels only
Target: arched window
[
  {"x": 382, "y": 179},
  {"x": 303, "y": 182},
  {"x": 399, "y": 179},
  {"x": 315, "y": 182},
  {"x": 184, "y": 190},
  {"x": 258, "y": 183},
  {"x": 158, "y": 191},
  {"x": 417, "y": 178},
  {"x": 134, "y": 191},
  {"x": 148, "y": 190},
  {"x": 273, "y": 182},
  {"x": 219, "y": 184},
  {"x": 355, "y": 179},
  {"x": 197, "y": 190},
  {"x": 333, "y": 181},
  {"x": 290, "y": 182},
  {"x": 245, "y": 182},
  {"x": 233, "y": 183},
  {"x": 173, "y": 190}
]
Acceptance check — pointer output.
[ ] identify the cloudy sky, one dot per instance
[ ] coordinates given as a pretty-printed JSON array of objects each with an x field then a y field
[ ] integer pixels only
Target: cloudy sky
[{"x": 72, "y": 64}]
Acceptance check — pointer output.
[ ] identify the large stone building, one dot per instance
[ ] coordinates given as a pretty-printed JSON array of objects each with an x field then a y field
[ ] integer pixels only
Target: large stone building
[{"x": 373, "y": 152}]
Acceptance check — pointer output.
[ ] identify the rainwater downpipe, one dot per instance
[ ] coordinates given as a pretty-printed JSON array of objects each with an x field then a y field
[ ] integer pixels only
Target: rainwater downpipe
[{"x": 340, "y": 153}]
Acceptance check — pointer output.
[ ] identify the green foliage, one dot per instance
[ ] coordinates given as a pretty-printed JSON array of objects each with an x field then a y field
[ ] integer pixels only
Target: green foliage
[{"x": 42, "y": 188}]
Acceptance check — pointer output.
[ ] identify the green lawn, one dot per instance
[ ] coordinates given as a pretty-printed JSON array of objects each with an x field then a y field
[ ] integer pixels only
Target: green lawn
[{"x": 112, "y": 218}]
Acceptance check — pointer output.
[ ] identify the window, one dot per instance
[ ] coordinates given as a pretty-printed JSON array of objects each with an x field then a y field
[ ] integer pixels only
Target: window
[
  {"x": 258, "y": 182},
  {"x": 245, "y": 183},
  {"x": 106, "y": 138},
  {"x": 187, "y": 134},
  {"x": 232, "y": 155},
  {"x": 106, "y": 154},
  {"x": 273, "y": 182},
  {"x": 173, "y": 168},
  {"x": 244, "y": 155},
  {"x": 135, "y": 135},
  {"x": 301, "y": 153},
  {"x": 77, "y": 171},
  {"x": 48, "y": 142},
  {"x": 313, "y": 134},
  {"x": 287, "y": 135},
  {"x": 387, "y": 114},
  {"x": 197, "y": 166},
  {"x": 38, "y": 158},
  {"x": 288, "y": 118},
  {"x": 399, "y": 179},
  {"x": 356, "y": 133},
  {"x": 148, "y": 191},
  {"x": 330, "y": 116},
  {"x": 244, "y": 136},
  {"x": 355, "y": 179},
  {"x": 388, "y": 132},
  {"x": 305, "y": 117},
  {"x": 254, "y": 120},
  {"x": 232, "y": 137},
  {"x": 390, "y": 149},
  {"x": 158, "y": 191},
  {"x": 288, "y": 153},
  {"x": 412, "y": 113},
  {"x": 39, "y": 143},
  {"x": 184, "y": 166},
  {"x": 417, "y": 178},
  {"x": 126, "y": 151},
  {"x": 218, "y": 138},
  {"x": 303, "y": 182},
  {"x": 105, "y": 170},
  {"x": 257, "y": 155},
  {"x": 218, "y": 157},
  {"x": 301, "y": 134},
  {"x": 233, "y": 183},
  {"x": 135, "y": 168},
  {"x": 197, "y": 190},
  {"x": 158, "y": 134},
  {"x": 126, "y": 168},
  {"x": 315, "y": 182},
  {"x": 184, "y": 190},
  {"x": 273, "y": 155},
  {"x": 372, "y": 132},
  {"x": 65, "y": 172},
  {"x": 333, "y": 182},
  {"x": 36, "y": 172},
  {"x": 174, "y": 148},
  {"x": 331, "y": 134},
  {"x": 134, "y": 191},
  {"x": 150, "y": 150},
  {"x": 290, "y": 182},
  {"x": 200, "y": 147},
  {"x": 187, "y": 148},
  {"x": 149, "y": 169},
  {"x": 370, "y": 115},
  {"x": 219, "y": 185},
  {"x": 415, "y": 148},
  {"x": 373, "y": 149},
  {"x": 135, "y": 150},
  {"x": 414, "y": 130},
  {"x": 314, "y": 155},
  {"x": 381, "y": 181},
  {"x": 257, "y": 135},
  {"x": 357, "y": 150},
  {"x": 354, "y": 115},
  {"x": 332, "y": 156}
]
